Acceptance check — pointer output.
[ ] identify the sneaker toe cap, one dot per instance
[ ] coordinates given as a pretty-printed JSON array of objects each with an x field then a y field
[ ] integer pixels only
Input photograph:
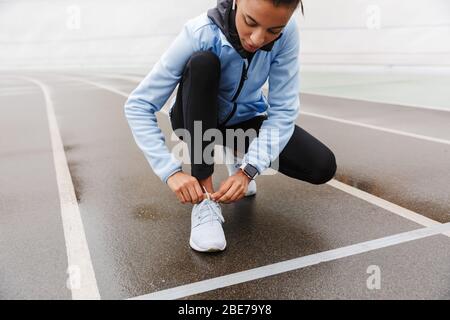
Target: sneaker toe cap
[{"x": 208, "y": 238}]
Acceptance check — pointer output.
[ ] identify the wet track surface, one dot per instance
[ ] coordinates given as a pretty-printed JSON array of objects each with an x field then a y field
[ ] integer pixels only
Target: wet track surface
[{"x": 138, "y": 233}]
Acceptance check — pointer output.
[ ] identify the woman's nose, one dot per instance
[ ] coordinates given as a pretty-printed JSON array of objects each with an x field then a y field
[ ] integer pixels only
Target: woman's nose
[{"x": 257, "y": 38}]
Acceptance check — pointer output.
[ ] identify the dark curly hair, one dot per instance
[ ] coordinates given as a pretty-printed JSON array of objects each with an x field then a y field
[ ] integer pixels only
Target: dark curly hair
[{"x": 293, "y": 3}]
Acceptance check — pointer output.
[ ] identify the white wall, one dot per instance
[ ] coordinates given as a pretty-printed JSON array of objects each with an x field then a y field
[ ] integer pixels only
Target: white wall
[
  {"x": 90, "y": 33},
  {"x": 345, "y": 35},
  {"x": 381, "y": 34}
]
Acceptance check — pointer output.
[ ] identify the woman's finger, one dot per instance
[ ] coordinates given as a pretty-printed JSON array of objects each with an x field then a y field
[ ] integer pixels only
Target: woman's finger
[
  {"x": 193, "y": 194},
  {"x": 180, "y": 197},
  {"x": 222, "y": 190},
  {"x": 237, "y": 195},
  {"x": 230, "y": 193},
  {"x": 199, "y": 192},
  {"x": 186, "y": 196}
]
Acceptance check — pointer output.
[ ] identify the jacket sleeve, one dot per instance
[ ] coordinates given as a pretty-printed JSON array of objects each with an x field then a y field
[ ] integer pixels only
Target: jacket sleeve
[
  {"x": 284, "y": 103},
  {"x": 150, "y": 96}
]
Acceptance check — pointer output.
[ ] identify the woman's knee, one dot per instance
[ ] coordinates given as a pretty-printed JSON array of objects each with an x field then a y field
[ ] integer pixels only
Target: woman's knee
[
  {"x": 198, "y": 88},
  {"x": 325, "y": 169},
  {"x": 205, "y": 63}
]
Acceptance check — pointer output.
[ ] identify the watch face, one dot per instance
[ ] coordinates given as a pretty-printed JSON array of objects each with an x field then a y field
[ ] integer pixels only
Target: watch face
[{"x": 250, "y": 170}]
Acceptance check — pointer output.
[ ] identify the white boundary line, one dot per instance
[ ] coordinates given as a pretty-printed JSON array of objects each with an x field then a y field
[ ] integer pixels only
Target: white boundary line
[
  {"x": 83, "y": 283},
  {"x": 105, "y": 87},
  {"x": 134, "y": 79},
  {"x": 101, "y": 86},
  {"x": 311, "y": 114},
  {"x": 425, "y": 108},
  {"x": 369, "y": 126},
  {"x": 137, "y": 78},
  {"x": 389, "y": 206},
  {"x": 293, "y": 264}
]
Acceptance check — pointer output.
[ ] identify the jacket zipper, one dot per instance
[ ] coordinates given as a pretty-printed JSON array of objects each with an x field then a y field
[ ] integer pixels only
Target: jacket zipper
[
  {"x": 241, "y": 82},
  {"x": 244, "y": 77}
]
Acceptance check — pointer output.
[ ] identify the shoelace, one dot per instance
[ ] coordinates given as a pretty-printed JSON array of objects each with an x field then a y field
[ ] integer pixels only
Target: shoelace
[{"x": 214, "y": 209}]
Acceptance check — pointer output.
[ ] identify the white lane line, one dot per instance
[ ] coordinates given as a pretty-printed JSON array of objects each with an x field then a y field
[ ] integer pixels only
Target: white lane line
[
  {"x": 316, "y": 94},
  {"x": 101, "y": 86},
  {"x": 373, "y": 127},
  {"x": 134, "y": 79},
  {"x": 391, "y": 207},
  {"x": 317, "y": 115},
  {"x": 293, "y": 264},
  {"x": 80, "y": 269},
  {"x": 108, "y": 88},
  {"x": 138, "y": 78}
]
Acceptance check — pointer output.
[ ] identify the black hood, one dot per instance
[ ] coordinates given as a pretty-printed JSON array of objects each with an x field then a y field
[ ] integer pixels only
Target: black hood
[{"x": 224, "y": 17}]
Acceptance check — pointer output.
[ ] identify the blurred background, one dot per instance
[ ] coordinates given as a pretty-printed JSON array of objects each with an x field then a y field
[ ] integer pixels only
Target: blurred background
[{"x": 395, "y": 51}]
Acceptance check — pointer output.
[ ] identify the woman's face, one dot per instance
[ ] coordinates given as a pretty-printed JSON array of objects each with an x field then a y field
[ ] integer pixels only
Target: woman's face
[{"x": 259, "y": 22}]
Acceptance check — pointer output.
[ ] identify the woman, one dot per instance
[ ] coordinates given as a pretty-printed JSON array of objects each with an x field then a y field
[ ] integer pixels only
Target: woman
[{"x": 221, "y": 59}]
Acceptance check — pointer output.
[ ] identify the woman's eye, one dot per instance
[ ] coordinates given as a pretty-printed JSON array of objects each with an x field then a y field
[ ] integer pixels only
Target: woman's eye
[{"x": 250, "y": 24}]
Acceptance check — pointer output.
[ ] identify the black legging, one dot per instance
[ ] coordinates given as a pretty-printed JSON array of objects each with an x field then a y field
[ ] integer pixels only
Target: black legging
[{"x": 304, "y": 157}]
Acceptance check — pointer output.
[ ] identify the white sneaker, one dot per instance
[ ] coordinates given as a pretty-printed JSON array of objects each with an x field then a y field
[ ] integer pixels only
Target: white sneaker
[
  {"x": 234, "y": 167},
  {"x": 206, "y": 227}
]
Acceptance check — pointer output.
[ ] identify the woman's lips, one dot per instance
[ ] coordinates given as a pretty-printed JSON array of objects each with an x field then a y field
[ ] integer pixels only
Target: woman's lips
[{"x": 249, "y": 47}]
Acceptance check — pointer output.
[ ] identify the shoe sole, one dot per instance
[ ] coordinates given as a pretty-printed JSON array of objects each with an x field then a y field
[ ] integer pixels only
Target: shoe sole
[
  {"x": 249, "y": 194},
  {"x": 197, "y": 248}
]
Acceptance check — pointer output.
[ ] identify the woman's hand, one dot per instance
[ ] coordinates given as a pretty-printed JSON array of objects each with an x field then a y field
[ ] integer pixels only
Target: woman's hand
[
  {"x": 232, "y": 189},
  {"x": 186, "y": 187}
]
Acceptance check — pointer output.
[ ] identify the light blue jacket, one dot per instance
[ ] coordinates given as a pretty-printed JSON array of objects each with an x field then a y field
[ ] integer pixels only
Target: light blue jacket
[{"x": 279, "y": 65}]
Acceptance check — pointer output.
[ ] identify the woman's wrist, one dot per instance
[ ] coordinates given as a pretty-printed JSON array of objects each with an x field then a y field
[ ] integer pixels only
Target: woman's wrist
[
  {"x": 173, "y": 174},
  {"x": 242, "y": 172}
]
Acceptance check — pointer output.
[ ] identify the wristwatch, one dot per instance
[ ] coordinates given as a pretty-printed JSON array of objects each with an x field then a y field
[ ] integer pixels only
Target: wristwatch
[{"x": 249, "y": 170}]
